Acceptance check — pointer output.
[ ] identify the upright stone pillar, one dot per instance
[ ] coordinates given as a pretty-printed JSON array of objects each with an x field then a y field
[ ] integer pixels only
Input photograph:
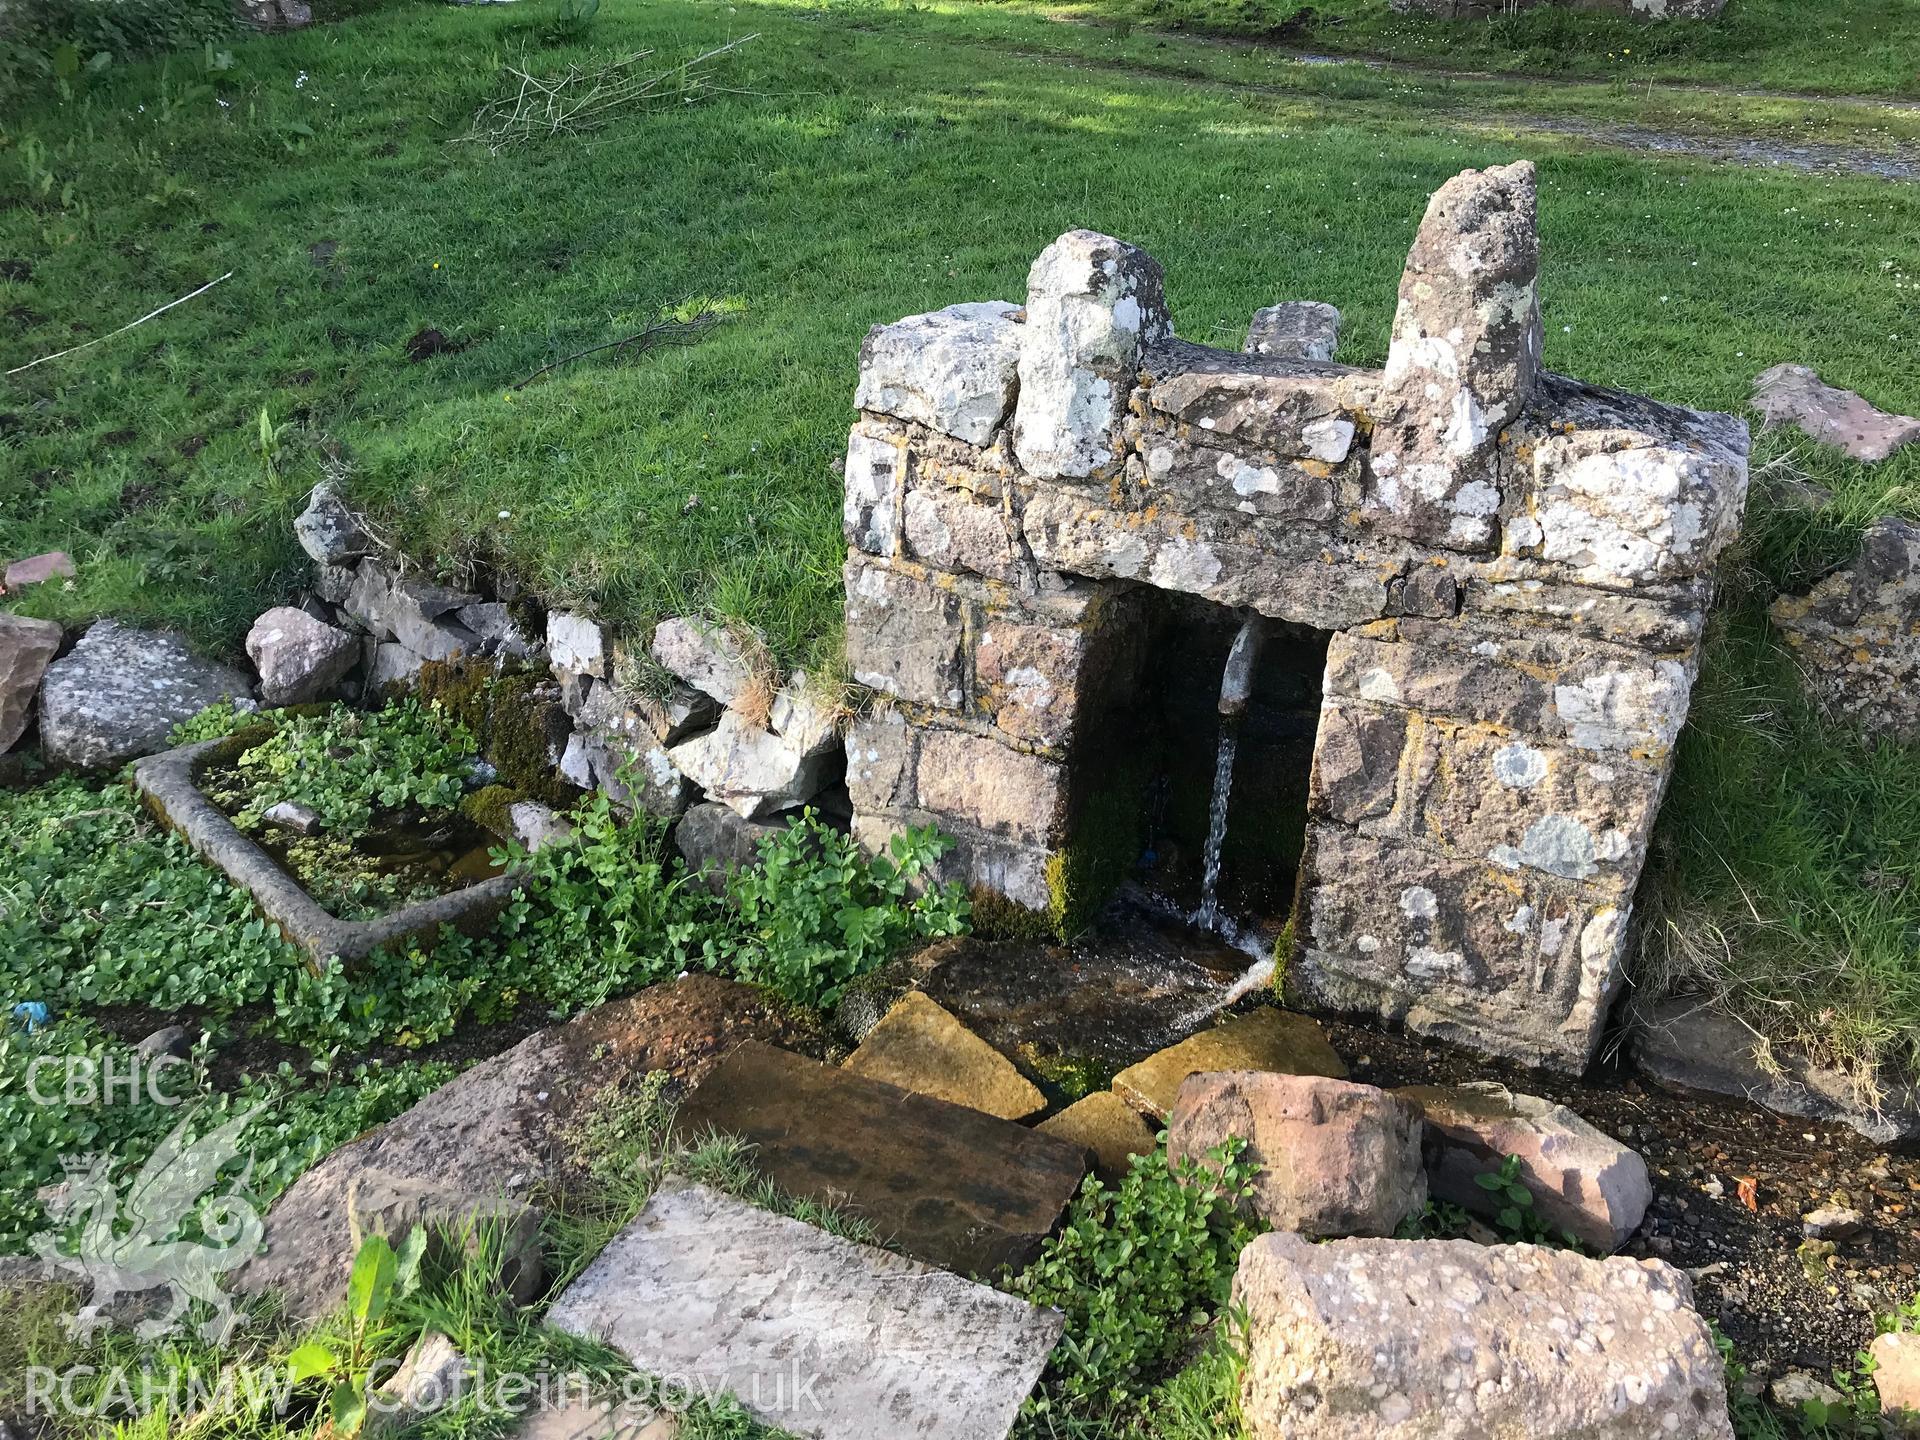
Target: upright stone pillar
[{"x": 1462, "y": 363}]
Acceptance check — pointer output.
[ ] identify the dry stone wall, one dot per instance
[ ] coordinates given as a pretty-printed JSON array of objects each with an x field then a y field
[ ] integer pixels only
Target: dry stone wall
[{"x": 1514, "y": 568}]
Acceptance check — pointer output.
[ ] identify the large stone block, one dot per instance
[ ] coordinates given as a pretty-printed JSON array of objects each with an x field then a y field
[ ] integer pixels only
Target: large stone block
[
  {"x": 976, "y": 779},
  {"x": 1462, "y": 362},
  {"x": 954, "y": 370},
  {"x": 1857, "y": 633},
  {"x": 1623, "y": 491},
  {"x": 1029, "y": 677},
  {"x": 1093, "y": 305},
  {"x": 1334, "y": 1158},
  {"x": 118, "y": 692},
  {"x": 1170, "y": 469},
  {"x": 1667, "y": 620},
  {"x": 921, "y": 1047},
  {"x": 1448, "y": 1340},
  {"x": 875, "y": 476},
  {"x": 1267, "y": 1039},
  {"x": 1600, "y": 698},
  {"x": 1285, "y": 570},
  {"x": 1516, "y": 963},
  {"x": 906, "y": 636},
  {"x": 949, "y": 1185},
  {"x": 1296, "y": 411},
  {"x": 954, "y": 529},
  {"x": 1356, "y": 761},
  {"x": 815, "y": 1335},
  {"x": 1582, "y": 1181},
  {"x": 1520, "y": 804}
]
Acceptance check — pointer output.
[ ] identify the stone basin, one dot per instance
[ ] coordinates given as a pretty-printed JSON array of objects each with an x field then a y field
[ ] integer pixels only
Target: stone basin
[{"x": 170, "y": 784}]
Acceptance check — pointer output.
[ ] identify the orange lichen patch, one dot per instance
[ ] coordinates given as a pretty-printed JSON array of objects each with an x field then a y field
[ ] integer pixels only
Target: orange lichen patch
[{"x": 1319, "y": 469}]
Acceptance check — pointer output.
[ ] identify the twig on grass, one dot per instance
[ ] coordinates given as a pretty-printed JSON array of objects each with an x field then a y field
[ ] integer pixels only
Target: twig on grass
[
  {"x": 661, "y": 332},
  {"x": 75, "y": 350},
  {"x": 579, "y": 100}
]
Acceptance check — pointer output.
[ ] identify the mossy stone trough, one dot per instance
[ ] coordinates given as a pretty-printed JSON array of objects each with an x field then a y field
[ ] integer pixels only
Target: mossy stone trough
[{"x": 169, "y": 784}]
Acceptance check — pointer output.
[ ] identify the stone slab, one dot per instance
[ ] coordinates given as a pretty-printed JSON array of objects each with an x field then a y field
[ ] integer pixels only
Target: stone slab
[
  {"x": 605, "y": 1420},
  {"x": 921, "y": 1047},
  {"x": 811, "y": 1333},
  {"x": 1107, "y": 1128},
  {"x": 962, "y": 1190},
  {"x": 1263, "y": 1039}
]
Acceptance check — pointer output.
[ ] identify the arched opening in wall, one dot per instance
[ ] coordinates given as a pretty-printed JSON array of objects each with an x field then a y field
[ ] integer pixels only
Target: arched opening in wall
[{"x": 1187, "y": 747}]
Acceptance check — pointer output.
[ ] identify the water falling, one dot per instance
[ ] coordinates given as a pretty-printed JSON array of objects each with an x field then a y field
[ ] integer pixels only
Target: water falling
[
  {"x": 1236, "y": 689},
  {"x": 1208, "y": 915}
]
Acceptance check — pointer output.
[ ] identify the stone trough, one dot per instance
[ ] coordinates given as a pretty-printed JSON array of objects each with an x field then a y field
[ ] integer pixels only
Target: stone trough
[
  {"x": 169, "y": 783},
  {"x": 1491, "y": 581}
]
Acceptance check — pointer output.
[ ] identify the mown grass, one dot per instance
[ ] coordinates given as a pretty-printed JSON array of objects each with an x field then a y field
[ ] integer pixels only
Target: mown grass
[
  {"x": 869, "y": 162},
  {"x": 1841, "y": 47}
]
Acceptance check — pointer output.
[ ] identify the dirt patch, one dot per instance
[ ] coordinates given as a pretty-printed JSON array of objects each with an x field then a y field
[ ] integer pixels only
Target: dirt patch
[
  {"x": 427, "y": 343},
  {"x": 1782, "y": 1313}
]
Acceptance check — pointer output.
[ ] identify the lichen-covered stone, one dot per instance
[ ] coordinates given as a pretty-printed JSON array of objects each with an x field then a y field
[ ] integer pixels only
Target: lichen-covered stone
[
  {"x": 712, "y": 658},
  {"x": 118, "y": 692},
  {"x": 1295, "y": 330},
  {"x": 1520, "y": 963},
  {"x": 875, "y": 473},
  {"x": 759, "y": 770},
  {"x": 905, "y": 636},
  {"x": 954, "y": 370},
  {"x": 576, "y": 644},
  {"x": 1093, "y": 305},
  {"x": 299, "y": 658},
  {"x": 1625, "y": 491},
  {"x": 1448, "y": 1340},
  {"x": 329, "y": 532},
  {"x": 1856, "y": 635},
  {"x": 1462, "y": 362}
]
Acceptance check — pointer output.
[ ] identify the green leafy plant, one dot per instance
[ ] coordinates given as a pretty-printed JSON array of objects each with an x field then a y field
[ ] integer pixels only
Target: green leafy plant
[
  {"x": 819, "y": 912},
  {"x": 380, "y": 1275},
  {"x": 217, "y": 721},
  {"x": 1139, "y": 1271},
  {"x": 348, "y": 766},
  {"x": 1517, "y": 1219}
]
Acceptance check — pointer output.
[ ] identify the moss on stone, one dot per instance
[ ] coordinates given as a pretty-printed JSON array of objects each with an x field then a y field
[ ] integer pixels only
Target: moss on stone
[
  {"x": 1066, "y": 1078},
  {"x": 1101, "y": 852},
  {"x": 488, "y": 808},
  {"x": 995, "y": 917},
  {"x": 506, "y": 715}
]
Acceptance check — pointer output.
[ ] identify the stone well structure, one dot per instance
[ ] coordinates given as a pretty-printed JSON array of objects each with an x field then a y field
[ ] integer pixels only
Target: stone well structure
[{"x": 1509, "y": 571}]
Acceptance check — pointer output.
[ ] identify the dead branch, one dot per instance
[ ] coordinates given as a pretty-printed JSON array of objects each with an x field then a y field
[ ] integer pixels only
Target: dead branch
[
  {"x": 661, "y": 332},
  {"x": 579, "y": 100}
]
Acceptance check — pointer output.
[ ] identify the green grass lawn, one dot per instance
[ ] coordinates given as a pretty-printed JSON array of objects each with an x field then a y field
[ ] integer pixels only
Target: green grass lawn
[
  {"x": 868, "y": 162},
  {"x": 1837, "y": 47}
]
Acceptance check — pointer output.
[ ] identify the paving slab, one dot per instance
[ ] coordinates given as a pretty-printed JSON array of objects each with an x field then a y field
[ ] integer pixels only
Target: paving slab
[
  {"x": 921, "y": 1047},
  {"x": 816, "y": 1335},
  {"x": 590, "y": 1420},
  {"x": 1263, "y": 1039},
  {"x": 963, "y": 1190},
  {"x": 1108, "y": 1128}
]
